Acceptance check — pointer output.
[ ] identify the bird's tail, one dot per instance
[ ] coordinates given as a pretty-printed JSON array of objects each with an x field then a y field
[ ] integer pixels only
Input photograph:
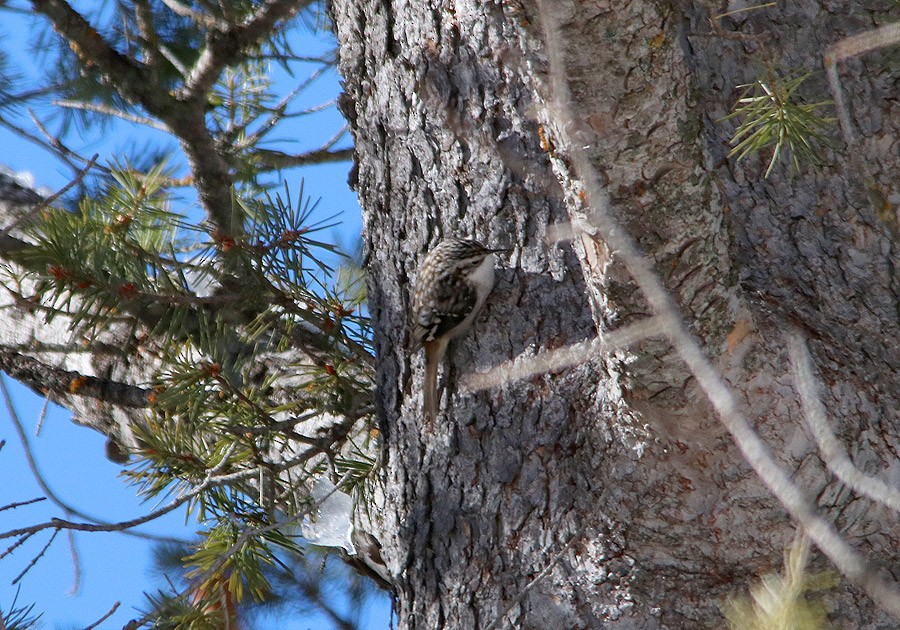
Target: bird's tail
[{"x": 434, "y": 353}]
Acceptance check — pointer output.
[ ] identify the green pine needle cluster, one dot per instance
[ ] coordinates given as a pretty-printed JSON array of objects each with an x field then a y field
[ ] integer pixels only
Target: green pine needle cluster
[
  {"x": 168, "y": 611},
  {"x": 19, "y": 617},
  {"x": 118, "y": 250},
  {"x": 234, "y": 558},
  {"x": 772, "y": 116},
  {"x": 247, "y": 328},
  {"x": 256, "y": 335}
]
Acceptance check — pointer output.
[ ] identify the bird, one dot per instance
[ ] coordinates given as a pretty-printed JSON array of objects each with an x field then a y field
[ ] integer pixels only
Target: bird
[{"x": 453, "y": 283}]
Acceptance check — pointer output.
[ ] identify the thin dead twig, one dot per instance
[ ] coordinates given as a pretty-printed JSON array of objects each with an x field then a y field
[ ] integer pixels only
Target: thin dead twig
[
  {"x": 79, "y": 177},
  {"x": 833, "y": 452},
  {"x": 45, "y": 486},
  {"x": 35, "y": 559},
  {"x": 111, "y": 111},
  {"x": 97, "y": 623},
  {"x": 848, "y": 48},
  {"x": 524, "y": 367},
  {"x": 18, "y": 504},
  {"x": 212, "y": 480}
]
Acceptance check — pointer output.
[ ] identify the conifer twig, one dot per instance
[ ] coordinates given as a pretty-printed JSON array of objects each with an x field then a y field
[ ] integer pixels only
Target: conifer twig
[
  {"x": 111, "y": 111},
  {"x": 97, "y": 623},
  {"x": 211, "y": 481}
]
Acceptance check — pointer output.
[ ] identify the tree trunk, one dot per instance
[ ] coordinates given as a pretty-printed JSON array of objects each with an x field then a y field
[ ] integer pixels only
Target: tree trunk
[{"x": 607, "y": 494}]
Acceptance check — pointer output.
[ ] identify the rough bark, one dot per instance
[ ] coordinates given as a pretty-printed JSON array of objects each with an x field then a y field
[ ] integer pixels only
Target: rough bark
[{"x": 456, "y": 133}]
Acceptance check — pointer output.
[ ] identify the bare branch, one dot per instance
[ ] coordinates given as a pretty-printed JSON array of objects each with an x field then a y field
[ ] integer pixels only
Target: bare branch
[
  {"x": 42, "y": 482},
  {"x": 62, "y": 150},
  {"x": 328, "y": 59},
  {"x": 754, "y": 450},
  {"x": 336, "y": 137},
  {"x": 54, "y": 145},
  {"x": 35, "y": 559},
  {"x": 23, "y": 537},
  {"x": 79, "y": 177},
  {"x": 18, "y": 504},
  {"x": 97, "y": 623},
  {"x": 224, "y": 46},
  {"x": 278, "y": 112},
  {"x": 271, "y": 160},
  {"x": 524, "y": 367},
  {"x": 111, "y": 111},
  {"x": 833, "y": 452},
  {"x": 852, "y": 47}
]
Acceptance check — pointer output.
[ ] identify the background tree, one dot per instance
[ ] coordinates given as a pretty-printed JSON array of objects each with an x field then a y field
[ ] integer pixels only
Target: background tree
[{"x": 603, "y": 490}]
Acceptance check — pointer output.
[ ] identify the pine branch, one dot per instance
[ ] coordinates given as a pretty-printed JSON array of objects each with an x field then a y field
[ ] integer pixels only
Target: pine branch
[
  {"x": 271, "y": 160},
  {"x": 240, "y": 296},
  {"x": 48, "y": 491},
  {"x": 225, "y": 47},
  {"x": 134, "y": 82},
  {"x": 45, "y": 378},
  {"x": 201, "y": 19},
  {"x": 19, "y": 618},
  {"x": 213, "y": 480},
  {"x": 212, "y": 175},
  {"x": 129, "y": 76}
]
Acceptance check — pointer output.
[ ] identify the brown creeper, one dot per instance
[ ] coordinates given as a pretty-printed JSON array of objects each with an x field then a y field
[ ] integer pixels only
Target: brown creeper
[{"x": 454, "y": 281}]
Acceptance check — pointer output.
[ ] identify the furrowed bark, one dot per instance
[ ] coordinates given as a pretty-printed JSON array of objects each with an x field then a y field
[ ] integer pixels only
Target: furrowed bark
[{"x": 457, "y": 132}]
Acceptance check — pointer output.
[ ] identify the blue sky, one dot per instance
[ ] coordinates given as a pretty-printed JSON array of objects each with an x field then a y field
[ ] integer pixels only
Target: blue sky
[{"x": 114, "y": 567}]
